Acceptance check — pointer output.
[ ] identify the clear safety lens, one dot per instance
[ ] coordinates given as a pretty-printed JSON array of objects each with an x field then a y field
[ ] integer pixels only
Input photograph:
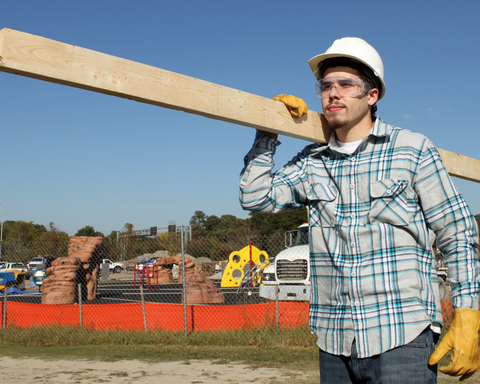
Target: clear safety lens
[{"x": 345, "y": 86}]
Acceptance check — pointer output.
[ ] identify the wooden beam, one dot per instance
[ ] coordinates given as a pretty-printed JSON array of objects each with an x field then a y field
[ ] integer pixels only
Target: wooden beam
[
  {"x": 40, "y": 58},
  {"x": 463, "y": 167}
]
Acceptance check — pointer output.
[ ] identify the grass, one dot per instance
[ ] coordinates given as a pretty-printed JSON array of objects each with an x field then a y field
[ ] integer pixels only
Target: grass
[{"x": 74, "y": 336}]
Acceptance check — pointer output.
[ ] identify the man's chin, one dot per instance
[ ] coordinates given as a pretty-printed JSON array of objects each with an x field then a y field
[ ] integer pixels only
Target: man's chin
[{"x": 336, "y": 123}]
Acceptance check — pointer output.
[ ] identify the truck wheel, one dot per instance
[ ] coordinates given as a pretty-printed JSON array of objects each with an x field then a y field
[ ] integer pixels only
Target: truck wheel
[
  {"x": 117, "y": 270},
  {"x": 443, "y": 289}
]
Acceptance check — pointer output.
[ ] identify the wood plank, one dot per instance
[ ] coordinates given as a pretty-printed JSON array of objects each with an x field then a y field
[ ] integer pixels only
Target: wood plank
[
  {"x": 463, "y": 167},
  {"x": 40, "y": 58}
]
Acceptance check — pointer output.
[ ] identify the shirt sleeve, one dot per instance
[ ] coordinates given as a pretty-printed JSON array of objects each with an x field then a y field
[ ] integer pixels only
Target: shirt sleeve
[
  {"x": 448, "y": 215},
  {"x": 265, "y": 191}
]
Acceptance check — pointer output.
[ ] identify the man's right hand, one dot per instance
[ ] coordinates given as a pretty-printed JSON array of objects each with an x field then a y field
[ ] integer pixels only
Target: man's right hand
[{"x": 296, "y": 106}]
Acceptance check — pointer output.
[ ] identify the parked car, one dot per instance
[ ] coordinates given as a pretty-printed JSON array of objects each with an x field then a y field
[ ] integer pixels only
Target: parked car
[
  {"x": 40, "y": 262},
  {"x": 20, "y": 270},
  {"x": 14, "y": 267},
  {"x": 114, "y": 267},
  {"x": 142, "y": 262}
]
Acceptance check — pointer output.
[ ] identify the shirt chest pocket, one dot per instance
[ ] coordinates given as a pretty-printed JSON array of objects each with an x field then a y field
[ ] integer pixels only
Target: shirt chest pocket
[
  {"x": 391, "y": 202},
  {"x": 322, "y": 200}
]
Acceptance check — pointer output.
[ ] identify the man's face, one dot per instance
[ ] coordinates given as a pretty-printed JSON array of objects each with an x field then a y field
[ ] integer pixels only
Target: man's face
[{"x": 347, "y": 112}]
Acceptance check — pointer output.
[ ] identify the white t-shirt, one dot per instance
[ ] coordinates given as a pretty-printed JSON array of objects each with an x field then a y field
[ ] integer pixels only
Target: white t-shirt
[{"x": 349, "y": 147}]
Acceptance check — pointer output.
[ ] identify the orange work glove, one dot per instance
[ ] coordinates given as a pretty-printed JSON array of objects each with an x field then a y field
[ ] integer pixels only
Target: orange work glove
[
  {"x": 297, "y": 107},
  {"x": 462, "y": 337}
]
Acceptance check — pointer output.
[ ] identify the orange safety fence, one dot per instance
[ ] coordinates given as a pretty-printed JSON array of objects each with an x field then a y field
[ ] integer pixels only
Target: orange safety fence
[{"x": 168, "y": 317}]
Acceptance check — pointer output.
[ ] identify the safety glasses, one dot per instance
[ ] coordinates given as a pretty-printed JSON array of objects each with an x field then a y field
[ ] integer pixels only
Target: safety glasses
[{"x": 345, "y": 86}]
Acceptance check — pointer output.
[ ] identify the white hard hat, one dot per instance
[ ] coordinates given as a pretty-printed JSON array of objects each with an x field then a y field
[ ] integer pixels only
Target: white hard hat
[{"x": 357, "y": 50}]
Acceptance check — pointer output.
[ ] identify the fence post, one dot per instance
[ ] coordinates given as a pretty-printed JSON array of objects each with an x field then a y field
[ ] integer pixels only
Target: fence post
[
  {"x": 4, "y": 317},
  {"x": 184, "y": 288},
  {"x": 80, "y": 304},
  {"x": 143, "y": 307},
  {"x": 277, "y": 320}
]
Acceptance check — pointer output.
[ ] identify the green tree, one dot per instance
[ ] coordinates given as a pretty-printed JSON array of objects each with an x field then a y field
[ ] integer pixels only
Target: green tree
[
  {"x": 477, "y": 218},
  {"x": 212, "y": 223},
  {"x": 55, "y": 241},
  {"x": 89, "y": 231},
  {"x": 198, "y": 217},
  {"x": 268, "y": 224},
  {"x": 197, "y": 222},
  {"x": 113, "y": 236},
  {"x": 54, "y": 234},
  {"x": 22, "y": 231}
]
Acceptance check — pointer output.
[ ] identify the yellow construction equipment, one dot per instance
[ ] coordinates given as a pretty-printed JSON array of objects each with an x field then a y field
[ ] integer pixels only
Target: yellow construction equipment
[
  {"x": 11, "y": 278},
  {"x": 241, "y": 264}
]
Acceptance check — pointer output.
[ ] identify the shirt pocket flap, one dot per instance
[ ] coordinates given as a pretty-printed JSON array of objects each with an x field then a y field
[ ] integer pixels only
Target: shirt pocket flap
[
  {"x": 323, "y": 192},
  {"x": 387, "y": 188},
  {"x": 322, "y": 201}
]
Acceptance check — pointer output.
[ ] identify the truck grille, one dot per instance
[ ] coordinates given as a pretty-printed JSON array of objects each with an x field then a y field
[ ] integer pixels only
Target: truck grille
[{"x": 292, "y": 270}]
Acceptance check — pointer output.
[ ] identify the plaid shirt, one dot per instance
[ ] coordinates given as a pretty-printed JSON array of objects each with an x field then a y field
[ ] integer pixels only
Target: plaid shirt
[{"x": 373, "y": 273}]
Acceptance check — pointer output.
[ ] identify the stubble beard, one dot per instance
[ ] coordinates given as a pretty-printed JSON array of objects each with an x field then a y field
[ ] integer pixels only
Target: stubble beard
[{"x": 336, "y": 121}]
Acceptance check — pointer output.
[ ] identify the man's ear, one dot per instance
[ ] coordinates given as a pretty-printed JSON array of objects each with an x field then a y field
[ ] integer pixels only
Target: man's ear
[{"x": 373, "y": 96}]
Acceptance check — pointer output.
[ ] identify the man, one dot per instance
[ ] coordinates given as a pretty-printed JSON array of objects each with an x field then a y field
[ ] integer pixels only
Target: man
[{"x": 373, "y": 192}]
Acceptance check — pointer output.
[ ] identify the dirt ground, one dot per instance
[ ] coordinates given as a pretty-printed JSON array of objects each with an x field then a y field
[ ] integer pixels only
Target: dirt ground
[
  {"x": 131, "y": 371},
  {"x": 29, "y": 370}
]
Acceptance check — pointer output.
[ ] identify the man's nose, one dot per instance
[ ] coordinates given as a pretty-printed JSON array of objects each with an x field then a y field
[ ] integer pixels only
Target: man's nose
[{"x": 334, "y": 94}]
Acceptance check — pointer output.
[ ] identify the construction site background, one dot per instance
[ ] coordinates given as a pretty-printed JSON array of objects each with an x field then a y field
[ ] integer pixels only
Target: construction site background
[{"x": 134, "y": 299}]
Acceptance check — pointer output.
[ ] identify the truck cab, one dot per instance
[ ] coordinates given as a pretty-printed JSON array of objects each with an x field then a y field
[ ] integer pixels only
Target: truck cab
[{"x": 287, "y": 278}]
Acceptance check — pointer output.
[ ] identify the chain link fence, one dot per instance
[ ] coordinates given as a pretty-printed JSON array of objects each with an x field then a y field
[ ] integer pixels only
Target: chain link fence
[{"x": 172, "y": 283}]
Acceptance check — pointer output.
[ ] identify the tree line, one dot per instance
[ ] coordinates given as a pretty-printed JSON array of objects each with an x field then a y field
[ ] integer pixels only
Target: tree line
[
  {"x": 256, "y": 224},
  {"x": 202, "y": 225}
]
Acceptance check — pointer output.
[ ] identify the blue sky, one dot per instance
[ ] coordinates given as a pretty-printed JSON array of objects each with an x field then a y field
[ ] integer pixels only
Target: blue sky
[{"x": 78, "y": 158}]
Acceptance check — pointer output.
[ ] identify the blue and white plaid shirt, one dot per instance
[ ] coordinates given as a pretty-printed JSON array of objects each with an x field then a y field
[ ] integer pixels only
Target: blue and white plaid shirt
[{"x": 373, "y": 273}]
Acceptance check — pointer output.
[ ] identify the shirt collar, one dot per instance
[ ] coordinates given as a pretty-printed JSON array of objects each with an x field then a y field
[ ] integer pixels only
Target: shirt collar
[{"x": 380, "y": 129}]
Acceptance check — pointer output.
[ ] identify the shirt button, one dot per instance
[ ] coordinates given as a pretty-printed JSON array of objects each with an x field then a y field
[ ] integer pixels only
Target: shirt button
[
  {"x": 352, "y": 159},
  {"x": 352, "y": 215},
  {"x": 353, "y": 245},
  {"x": 353, "y": 274},
  {"x": 357, "y": 303},
  {"x": 389, "y": 191},
  {"x": 352, "y": 186}
]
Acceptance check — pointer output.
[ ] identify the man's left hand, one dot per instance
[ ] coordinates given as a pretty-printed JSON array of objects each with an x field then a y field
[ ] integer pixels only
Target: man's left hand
[
  {"x": 462, "y": 338},
  {"x": 296, "y": 106}
]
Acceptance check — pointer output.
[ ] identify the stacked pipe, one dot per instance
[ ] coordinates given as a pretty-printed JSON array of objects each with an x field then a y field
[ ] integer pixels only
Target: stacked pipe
[
  {"x": 89, "y": 251},
  {"x": 165, "y": 265},
  {"x": 59, "y": 287},
  {"x": 82, "y": 265},
  {"x": 199, "y": 290}
]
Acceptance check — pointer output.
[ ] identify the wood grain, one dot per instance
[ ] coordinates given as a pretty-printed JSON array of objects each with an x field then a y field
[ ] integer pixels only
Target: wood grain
[{"x": 40, "y": 58}]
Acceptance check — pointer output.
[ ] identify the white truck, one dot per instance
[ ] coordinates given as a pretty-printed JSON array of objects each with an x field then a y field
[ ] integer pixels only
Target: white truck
[
  {"x": 114, "y": 267},
  {"x": 287, "y": 278}
]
